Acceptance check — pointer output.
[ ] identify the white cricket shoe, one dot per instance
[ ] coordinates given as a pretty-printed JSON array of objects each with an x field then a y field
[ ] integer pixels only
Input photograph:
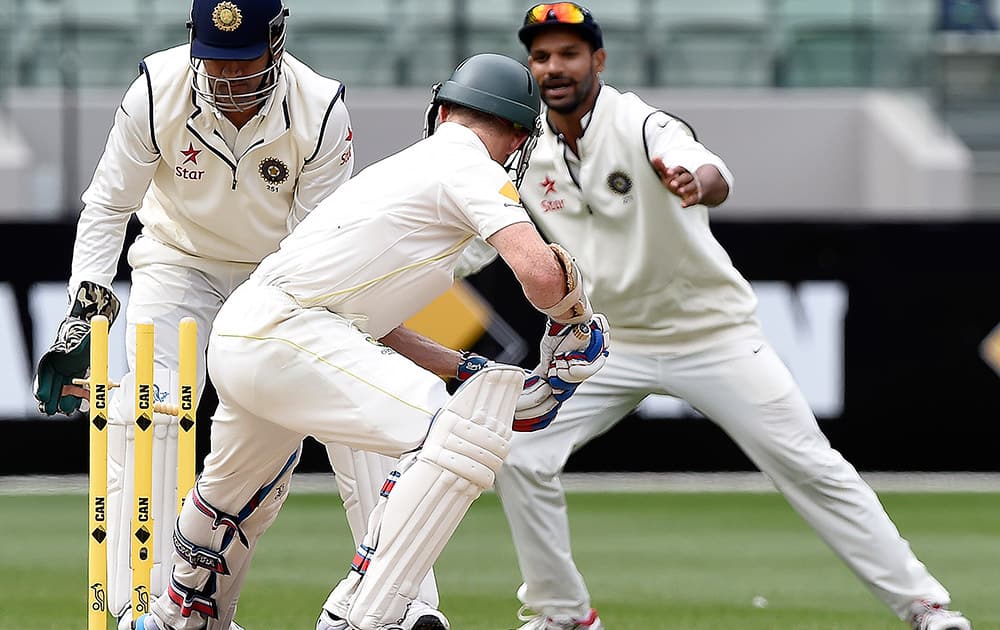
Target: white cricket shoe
[
  {"x": 422, "y": 616},
  {"x": 925, "y": 615},
  {"x": 538, "y": 622},
  {"x": 419, "y": 616},
  {"x": 125, "y": 623},
  {"x": 327, "y": 621},
  {"x": 148, "y": 622}
]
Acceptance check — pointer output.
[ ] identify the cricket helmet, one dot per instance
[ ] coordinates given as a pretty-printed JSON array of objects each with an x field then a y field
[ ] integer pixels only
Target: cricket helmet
[{"x": 236, "y": 30}]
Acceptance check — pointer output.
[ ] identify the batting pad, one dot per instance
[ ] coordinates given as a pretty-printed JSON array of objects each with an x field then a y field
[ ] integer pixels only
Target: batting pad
[
  {"x": 468, "y": 440},
  {"x": 212, "y": 553},
  {"x": 360, "y": 477},
  {"x": 121, "y": 462}
]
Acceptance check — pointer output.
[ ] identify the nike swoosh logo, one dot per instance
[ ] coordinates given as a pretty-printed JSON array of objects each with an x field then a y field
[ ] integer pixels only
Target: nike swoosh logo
[
  {"x": 514, "y": 205},
  {"x": 758, "y": 349}
]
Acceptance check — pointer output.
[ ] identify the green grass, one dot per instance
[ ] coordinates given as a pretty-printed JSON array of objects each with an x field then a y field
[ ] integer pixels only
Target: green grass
[{"x": 659, "y": 560}]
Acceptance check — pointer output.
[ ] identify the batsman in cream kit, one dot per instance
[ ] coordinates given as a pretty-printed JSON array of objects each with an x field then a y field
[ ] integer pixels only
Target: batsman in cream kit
[{"x": 220, "y": 147}]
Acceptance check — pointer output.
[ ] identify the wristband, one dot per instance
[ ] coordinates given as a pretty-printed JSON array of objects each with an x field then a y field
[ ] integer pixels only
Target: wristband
[{"x": 469, "y": 366}]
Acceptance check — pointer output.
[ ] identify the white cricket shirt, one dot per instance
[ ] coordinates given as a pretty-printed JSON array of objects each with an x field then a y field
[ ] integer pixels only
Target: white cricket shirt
[
  {"x": 168, "y": 160},
  {"x": 652, "y": 267},
  {"x": 385, "y": 244}
]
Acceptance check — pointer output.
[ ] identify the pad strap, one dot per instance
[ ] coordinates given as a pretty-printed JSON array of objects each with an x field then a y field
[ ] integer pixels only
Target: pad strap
[
  {"x": 192, "y": 600},
  {"x": 362, "y": 558},
  {"x": 219, "y": 518},
  {"x": 198, "y": 556}
]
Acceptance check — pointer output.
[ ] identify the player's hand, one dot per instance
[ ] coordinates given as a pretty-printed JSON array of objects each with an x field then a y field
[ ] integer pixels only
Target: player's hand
[
  {"x": 573, "y": 365},
  {"x": 66, "y": 359},
  {"x": 69, "y": 355},
  {"x": 537, "y": 407},
  {"x": 680, "y": 182}
]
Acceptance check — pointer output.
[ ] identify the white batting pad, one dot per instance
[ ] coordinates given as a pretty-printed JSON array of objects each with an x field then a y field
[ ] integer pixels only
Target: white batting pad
[
  {"x": 466, "y": 445},
  {"x": 211, "y": 555},
  {"x": 121, "y": 462},
  {"x": 360, "y": 476}
]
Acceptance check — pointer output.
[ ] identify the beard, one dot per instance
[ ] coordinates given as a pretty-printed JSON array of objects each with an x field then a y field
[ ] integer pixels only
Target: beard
[{"x": 567, "y": 105}]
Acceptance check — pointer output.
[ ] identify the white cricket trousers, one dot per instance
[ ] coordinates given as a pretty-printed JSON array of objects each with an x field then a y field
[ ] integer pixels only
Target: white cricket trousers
[
  {"x": 168, "y": 285},
  {"x": 743, "y": 386},
  {"x": 282, "y": 373}
]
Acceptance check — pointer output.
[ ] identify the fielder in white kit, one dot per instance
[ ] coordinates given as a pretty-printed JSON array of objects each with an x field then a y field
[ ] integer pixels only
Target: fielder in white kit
[
  {"x": 221, "y": 147},
  {"x": 630, "y": 187},
  {"x": 294, "y": 352}
]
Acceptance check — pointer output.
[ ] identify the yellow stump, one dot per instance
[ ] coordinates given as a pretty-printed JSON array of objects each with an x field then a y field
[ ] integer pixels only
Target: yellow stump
[
  {"x": 142, "y": 519},
  {"x": 187, "y": 404},
  {"x": 97, "y": 553}
]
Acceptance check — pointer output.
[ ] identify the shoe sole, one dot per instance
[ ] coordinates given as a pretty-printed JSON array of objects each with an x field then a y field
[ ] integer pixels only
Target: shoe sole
[{"x": 428, "y": 622}]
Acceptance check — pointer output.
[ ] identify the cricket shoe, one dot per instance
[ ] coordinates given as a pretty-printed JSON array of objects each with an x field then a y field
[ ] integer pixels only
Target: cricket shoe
[
  {"x": 925, "y": 615},
  {"x": 419, "y": 616},
  {"x": 538, "y": 622},
  {"x": 329, "y": 621},
  {"x": 147, "y": 622},
  {"x": 422, "y": 616}
]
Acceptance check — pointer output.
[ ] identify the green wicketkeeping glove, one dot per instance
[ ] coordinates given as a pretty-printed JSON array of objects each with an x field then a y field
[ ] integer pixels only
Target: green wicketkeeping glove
[
  {"x": 68, "y": 358},
  {"x": 69, "y": 355}
]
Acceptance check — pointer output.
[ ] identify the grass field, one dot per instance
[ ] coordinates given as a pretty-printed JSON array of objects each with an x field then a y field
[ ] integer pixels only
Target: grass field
[{"x": 652, "y": 561}]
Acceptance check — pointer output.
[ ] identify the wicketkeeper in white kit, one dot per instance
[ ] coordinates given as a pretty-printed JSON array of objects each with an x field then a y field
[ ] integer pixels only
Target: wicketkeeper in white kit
[
  {"x": 221, "y": 147},
  {"x": 629, "y": 188},
  {"x": 294, "y": 352}
]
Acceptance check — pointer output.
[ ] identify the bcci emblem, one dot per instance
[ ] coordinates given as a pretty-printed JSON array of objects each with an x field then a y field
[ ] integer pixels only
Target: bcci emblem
[
  {"x": 273, "y": 170},
  {"x": 619, "y": 182},
  {"x": 227, "y": 17}
]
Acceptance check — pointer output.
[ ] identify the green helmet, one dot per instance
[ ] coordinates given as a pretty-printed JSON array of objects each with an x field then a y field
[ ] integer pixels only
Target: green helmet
[
  {"x": 497, "y": 85},
  {"x": 494, "y": 84}
]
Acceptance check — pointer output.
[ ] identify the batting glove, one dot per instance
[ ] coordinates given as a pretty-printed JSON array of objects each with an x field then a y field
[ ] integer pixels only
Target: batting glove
[
  {"x": 535, "y": 408},
  {"x": 570, "y": 367}
]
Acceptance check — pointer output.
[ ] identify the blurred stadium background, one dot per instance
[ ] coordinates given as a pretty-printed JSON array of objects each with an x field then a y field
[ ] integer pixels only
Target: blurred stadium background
[{"x": 864, "y": 136}]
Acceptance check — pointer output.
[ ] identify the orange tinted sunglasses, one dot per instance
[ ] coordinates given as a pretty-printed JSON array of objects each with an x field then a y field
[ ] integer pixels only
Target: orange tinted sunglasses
[{"x": 562, "y": 12}]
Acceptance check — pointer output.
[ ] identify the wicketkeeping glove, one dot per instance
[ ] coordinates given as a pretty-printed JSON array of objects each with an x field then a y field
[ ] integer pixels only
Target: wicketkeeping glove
[
  {"x": 535, "y": 408},
  {"x": 69, "y": 355}
]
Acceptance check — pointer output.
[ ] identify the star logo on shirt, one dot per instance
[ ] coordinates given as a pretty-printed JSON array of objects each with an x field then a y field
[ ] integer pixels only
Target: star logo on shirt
[
  {"x": 191, "y": 155},
  {"x": 549, "y": 185},
  {"x": 350, "y": 135}
]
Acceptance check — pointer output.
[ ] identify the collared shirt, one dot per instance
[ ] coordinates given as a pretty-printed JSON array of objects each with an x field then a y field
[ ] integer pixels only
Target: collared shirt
[
  {"x": 653, "y": 267},
  {"x": 196, "y": 188}
]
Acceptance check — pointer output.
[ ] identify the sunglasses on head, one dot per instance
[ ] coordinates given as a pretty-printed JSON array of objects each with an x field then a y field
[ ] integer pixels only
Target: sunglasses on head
[{"x": 560, "y": 12}]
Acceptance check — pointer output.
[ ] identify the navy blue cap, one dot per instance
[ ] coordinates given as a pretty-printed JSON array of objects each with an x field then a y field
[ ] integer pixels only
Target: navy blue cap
[{"x": 232, "y": 29}]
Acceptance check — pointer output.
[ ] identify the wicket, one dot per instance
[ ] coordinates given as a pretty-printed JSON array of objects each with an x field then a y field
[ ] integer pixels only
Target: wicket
[{"x": 144, "y": 406}]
